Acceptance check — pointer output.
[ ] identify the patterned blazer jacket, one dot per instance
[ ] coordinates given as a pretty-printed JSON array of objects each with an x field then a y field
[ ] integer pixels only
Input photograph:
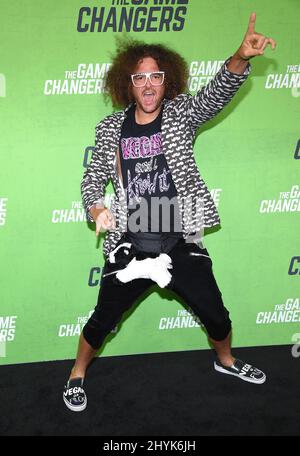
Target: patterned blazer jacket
[{"x": 181, "y": 118}]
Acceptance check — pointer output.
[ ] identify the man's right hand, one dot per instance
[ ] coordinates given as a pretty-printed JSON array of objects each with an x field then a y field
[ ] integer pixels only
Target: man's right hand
[{"x": 104, "y": 219}]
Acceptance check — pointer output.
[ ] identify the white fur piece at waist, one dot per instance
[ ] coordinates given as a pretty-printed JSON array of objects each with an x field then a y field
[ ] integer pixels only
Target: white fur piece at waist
[{"x": 155, "y": 269}]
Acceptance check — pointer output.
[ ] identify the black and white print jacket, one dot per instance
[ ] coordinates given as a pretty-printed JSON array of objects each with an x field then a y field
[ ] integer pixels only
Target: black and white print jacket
[{"x": 181, "y": 118}]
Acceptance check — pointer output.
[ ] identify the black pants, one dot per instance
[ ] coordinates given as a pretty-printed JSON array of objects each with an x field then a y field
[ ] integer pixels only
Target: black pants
[{"x": 192, "y": 280}]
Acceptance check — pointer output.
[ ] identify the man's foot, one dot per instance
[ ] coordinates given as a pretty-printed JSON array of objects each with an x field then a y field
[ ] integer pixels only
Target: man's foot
[
  {"x": 74, "y": 395},
  {"x": 242, "y": 370}
]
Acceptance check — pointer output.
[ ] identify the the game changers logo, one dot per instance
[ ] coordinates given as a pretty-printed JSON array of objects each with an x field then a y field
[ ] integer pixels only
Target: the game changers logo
[
  {"x": 290, "y": 79},
  {"x": 3, "y": 209},
  {"x": 183, "y": 319},
  {"x": 288, "y": 201},
  {"x": 95, "y": 276},
  {"x": 7, "y": 332},
  {"x": 201, "y": 72},
  {"x": 294, "y": 267},
  {"x": 75, "y": 214},
  {"x": 86, "y": 79},
  {"x": 288, "y": 312},
  {"x": 7, "y": 328},
  {"x": 133, "y": 16},
  {"x": 75, "y": 328}
]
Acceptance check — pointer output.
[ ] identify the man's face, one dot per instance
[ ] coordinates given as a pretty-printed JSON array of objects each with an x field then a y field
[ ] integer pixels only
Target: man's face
[{"x": 149, "y": 97}]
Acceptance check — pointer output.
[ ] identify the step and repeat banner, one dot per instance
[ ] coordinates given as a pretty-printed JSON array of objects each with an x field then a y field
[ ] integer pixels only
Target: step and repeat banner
[{"x": 53, "y": 60}]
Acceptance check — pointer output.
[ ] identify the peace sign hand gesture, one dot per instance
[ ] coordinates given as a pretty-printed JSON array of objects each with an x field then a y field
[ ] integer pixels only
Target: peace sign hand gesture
[{"x": 254, "y": 43}]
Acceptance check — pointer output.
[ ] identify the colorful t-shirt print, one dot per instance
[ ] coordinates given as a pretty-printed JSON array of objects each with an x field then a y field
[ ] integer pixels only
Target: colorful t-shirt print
[{"x": 146, "y": 176}]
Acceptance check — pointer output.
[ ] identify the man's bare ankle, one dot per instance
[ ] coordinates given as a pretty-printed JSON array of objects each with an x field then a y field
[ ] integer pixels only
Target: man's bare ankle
[
  {"x": 227, "y": 362},
  {"x": 75, "y": 373}
]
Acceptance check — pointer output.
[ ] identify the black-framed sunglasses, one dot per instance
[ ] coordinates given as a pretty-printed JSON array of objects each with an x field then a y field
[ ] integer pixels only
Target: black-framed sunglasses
[{"x": 156, "y": 78}]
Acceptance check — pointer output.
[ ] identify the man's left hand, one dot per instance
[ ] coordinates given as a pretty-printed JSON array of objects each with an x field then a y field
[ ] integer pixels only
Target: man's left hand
[{"x": 254, "y": 43}]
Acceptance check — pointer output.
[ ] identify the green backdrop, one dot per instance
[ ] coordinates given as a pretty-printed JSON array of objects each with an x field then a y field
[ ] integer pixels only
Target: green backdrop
[{"x": 53, "y": 58}]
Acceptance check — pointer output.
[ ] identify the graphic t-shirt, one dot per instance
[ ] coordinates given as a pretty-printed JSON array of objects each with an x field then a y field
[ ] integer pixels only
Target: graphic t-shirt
[{"x": 150, "y": 190}]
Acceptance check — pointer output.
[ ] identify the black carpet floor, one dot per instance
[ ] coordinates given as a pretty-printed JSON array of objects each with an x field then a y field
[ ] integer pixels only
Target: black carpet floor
[{"x": 174, "y": 394}]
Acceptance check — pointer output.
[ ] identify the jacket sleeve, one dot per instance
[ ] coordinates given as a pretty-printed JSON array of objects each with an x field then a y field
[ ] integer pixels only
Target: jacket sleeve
[
  {"x": 95, "y": 177},
  {"x": 212, "y": 98}
]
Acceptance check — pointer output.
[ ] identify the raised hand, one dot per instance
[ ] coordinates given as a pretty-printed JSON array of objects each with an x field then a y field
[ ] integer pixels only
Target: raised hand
[{"x": 254, "y": 43}]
